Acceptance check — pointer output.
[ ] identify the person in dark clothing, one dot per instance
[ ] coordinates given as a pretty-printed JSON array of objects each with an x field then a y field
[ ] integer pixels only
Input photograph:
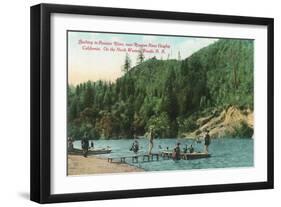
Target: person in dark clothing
[
  {"x": 69, "y": 144},
  {"x": 207, "y": 140},
  {"x": 92, "y": 144},
  {"x": 191, "y": 149},
  {"x": 135, "y": 146},
  {"x": 85, "y": 145},
  {"x": 185, "y": 149}
]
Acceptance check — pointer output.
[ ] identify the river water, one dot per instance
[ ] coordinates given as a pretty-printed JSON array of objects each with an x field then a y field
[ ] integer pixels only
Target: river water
[{"x": 225, "y": 153}]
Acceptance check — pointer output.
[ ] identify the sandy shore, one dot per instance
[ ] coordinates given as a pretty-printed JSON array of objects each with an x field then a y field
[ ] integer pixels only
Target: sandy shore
[{"x": 79, "y": 165}]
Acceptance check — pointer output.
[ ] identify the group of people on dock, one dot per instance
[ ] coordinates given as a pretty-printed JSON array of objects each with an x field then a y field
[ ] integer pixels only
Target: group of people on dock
[{"x": 176, "y": 150}]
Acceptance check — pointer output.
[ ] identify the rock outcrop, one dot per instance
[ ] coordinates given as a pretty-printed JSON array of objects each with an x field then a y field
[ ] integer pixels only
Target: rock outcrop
[{"x": 230, "y": 122}]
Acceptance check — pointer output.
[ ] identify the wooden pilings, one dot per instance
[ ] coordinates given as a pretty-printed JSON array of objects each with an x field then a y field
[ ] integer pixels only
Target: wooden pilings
[{"x": 135, "y": 158}]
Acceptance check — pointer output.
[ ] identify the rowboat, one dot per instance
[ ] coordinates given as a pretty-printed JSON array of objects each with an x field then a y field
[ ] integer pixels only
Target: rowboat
[
  {"x": 194, "y": 155},
  {"x": 187, "y": 155},
  {"x": 91, "y": 151}
]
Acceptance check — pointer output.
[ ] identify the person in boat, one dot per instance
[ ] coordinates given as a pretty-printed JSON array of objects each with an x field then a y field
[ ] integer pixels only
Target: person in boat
[
  {"x": 151, "y": 137},
  {"x": 176, "y": 152},
  {"x": 85, "y": 145},
  {"x": 207, "y": 141},
  {"x": 191, "y": 149},
  {"x": 185, "y": 149}
]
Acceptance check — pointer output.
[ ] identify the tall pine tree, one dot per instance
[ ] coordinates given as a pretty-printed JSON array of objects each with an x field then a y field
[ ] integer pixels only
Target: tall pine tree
[
  {"x": 140, "y": 56},
  {"x": 127, "y": 64}
]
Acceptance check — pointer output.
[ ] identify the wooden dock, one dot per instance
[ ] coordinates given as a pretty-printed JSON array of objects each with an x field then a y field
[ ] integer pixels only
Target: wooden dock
[
  {"x": 156, "y": 157},
  {"x": 135, "y": 158}
]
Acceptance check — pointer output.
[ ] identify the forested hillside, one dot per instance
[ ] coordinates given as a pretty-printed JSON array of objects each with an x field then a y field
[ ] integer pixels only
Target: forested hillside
[{"x": 169, "y": 95}]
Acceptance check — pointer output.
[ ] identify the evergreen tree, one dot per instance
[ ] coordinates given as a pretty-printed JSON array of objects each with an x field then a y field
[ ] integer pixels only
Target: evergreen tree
[
  {"x": 127, "y": 64},
  {"x": 140, "y": 58},
  {"x": 88, "y": 98}
]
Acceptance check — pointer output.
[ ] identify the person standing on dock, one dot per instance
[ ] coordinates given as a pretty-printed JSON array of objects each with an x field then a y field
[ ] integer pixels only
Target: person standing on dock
[
  {"x": 207, "y": 140},
  {"x": 177, "y": 151},
  {"x": 151, "y": 137}
]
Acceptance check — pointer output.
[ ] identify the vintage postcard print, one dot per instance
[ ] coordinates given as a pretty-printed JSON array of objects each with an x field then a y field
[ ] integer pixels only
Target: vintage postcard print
[{"x": 141, "y": 102}]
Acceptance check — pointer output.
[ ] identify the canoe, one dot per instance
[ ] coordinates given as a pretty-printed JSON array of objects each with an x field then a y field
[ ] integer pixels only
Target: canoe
[
  {"x": 186, "y": 156},
  {"x": 95, "y": 151}
]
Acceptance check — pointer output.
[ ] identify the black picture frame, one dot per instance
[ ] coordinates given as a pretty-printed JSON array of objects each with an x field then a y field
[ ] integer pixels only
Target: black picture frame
[{"x": 41, "y": 102}]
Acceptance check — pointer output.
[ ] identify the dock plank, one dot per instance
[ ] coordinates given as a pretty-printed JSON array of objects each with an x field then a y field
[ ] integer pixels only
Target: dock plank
[{"x": 135, "y": 158}]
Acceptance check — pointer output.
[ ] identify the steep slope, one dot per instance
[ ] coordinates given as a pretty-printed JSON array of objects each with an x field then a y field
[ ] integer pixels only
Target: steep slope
[{"x": 169, "y": 95}]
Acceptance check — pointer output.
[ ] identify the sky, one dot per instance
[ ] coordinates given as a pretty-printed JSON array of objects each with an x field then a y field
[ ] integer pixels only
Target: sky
[{"x": 100, "y": 56}]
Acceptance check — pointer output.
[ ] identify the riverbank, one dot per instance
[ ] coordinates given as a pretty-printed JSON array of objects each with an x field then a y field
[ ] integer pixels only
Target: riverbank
[
  {"x": 79, "y": 165},
  {"x": 229, "y": 122}
]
